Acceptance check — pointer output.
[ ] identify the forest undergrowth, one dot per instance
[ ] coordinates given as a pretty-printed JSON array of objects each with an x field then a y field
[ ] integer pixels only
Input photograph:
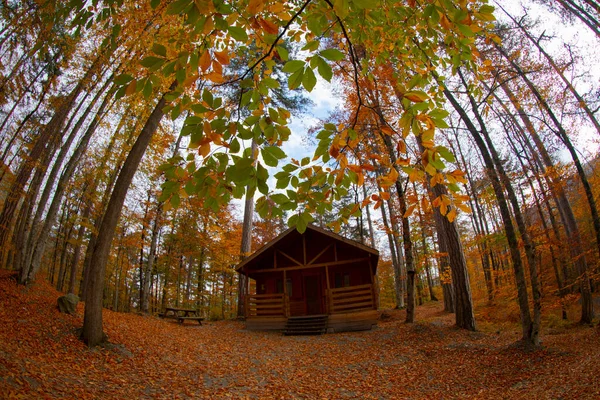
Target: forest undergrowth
[{"x": 42, "y": 357}]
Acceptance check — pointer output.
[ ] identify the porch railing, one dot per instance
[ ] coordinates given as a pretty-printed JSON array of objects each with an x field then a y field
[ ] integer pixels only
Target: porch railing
[
  {"x": 339, "y": 300},
  {"x": 267, "y": 305},
  {"x": 352, "y": 298}
]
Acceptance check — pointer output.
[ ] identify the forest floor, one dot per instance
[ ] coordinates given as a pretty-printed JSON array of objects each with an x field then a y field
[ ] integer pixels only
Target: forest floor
[{"x": 41, "y": 357}]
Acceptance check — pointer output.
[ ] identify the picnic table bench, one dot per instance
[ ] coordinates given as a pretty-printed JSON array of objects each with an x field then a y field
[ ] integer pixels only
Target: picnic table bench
[{"x": 181, "y": 314}]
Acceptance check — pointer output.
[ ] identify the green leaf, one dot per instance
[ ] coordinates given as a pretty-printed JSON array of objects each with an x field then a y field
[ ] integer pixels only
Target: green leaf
[
  {"x": 453, "y": 187},
  {"x": 180, "y": 75},
  {"x": 208, "y": 97},
  {"x": 311, "y": 46},
  {"x": 445, "y": 153},
  {"x": 238, "y": 33},
  {"x": 120, "y": 93},
  {"x": 279, "y": 198},
  {"x": 293, "y": 220},
  {"x": 159, "y": 49},
  {"x": 486, "y": 8},
  {"x": 437, "y": 164},
  {"x": 154, "y": 3},
  {"x": 315, "y": 24},
  {"x": 366, "y": 4},
  {"x": 234, "y": 146},
  {"x": 295, "y": 79},
  {"x": 341, "y": 8},
  {"x": 152, "y": 62},
  {"x": 439, "y": 113},
  {"x": 293, "y": 66},
  {"x": 309, "y": 79},
  {"x": 465, "y": 30},
  {"x": 290, "y": 168},
  {"x": 272, "y": 154},
  {"x": 283, "y": 181},
  {"x": 301, "y": 224},
  {"x": 123, "y": 79},
  {"x": 283, "y": 53},
  {"x": 271, "y": 83},
  {"x": 263, "y": 187},
  {"x": 293, "y": 196},
  {"x": 324, "y": 69},
  {"x": 261, "y": 172},
  {"x": 147, "y": 91},
  {"x": 332, "y": 54},
  {"x": 175, "y": 200},
  {"x": 241, "y": 171},
  {"x": 178, "y": 6}
]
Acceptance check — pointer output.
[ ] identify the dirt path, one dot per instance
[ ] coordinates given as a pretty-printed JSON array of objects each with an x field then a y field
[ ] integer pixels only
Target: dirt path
[{"x": 40, "y": 357}]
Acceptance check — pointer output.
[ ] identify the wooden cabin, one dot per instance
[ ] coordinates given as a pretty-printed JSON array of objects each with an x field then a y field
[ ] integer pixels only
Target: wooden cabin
[{"x": 317, "y": 274}]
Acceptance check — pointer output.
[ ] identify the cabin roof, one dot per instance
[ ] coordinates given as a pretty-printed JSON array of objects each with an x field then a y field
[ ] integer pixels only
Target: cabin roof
[{"x": 266, "y": 250}]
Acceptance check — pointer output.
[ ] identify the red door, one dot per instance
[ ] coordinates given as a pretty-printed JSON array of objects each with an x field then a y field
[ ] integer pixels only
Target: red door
[{"x": 312, "y": 294}]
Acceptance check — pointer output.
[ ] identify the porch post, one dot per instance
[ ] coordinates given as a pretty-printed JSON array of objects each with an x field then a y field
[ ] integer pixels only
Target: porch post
[
  {"x": 374, "y": 285},
  {"x": 328, "y": 290},
  {"x": 247, "y": 294},
  {"x": 286, "y": 310}
]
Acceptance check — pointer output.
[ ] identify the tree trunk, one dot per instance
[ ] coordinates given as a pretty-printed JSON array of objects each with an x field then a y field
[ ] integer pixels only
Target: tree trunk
[
  {"x": 369, "y": 221},
  {"x": 407, "y": 241},
  {"x": 151, "y": 257},
  {"x": 49, "y": 136},
  {"x": 30, "y": 269},
  {"x": 246, "y": 246},
  {"x": 92, "y": 324},
  {"x": 566, "y": 213},
  {"x": 527, "y": 243},
  {"x": 427, "y": 265},
  {"x": 511, "y": 236},
  {"x": 399, "y": 295}
]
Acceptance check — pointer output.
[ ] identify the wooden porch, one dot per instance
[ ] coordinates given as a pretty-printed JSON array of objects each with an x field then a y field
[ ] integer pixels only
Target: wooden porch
[{"x": 349, "y": 308}]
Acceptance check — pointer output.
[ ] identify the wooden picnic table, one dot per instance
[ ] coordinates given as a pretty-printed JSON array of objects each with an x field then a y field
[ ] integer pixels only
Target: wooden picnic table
[{"x": 182, "y": 314}]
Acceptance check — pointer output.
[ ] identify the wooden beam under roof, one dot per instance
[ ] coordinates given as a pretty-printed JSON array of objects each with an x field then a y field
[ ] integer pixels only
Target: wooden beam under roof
[
  {"x": 320, "y": 254},
  {"x": 326, "y": 264}
]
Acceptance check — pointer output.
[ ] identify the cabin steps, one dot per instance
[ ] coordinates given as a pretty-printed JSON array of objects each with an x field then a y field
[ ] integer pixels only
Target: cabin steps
[{"x": 306, "y": 325}]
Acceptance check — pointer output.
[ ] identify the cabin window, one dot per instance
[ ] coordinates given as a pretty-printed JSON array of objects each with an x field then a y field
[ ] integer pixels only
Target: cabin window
[
  {"x": 288, "y": 286},
  {"x": 342, "y": 279},
  {"x": 279, "y": 286}
]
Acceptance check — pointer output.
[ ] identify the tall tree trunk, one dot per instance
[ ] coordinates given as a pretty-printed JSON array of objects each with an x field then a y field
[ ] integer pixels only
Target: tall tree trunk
[
  {"x": 566, "y": 213},
  {"x": 48, "y": 137},
  {"x": 399, "y": 295},
  {"x": 151, "y": 257},
  {"x": 92, "y": 324},
  {"x": 511, "y": 236},
  {"x": 579, "y": 12},
  {"x": 369, "y": 220},
  {"x": 527, "y": 242},
  {"x": 34, "y": 234},
  {"x": 477, "y": 220},
  {"x": 141, "y": 262},
  {"x": 407, "y": 240},
  {"x": 31, "y": 268},
  {"x": 246, "y": 246},
  {"x": 426, "y": 265}
]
